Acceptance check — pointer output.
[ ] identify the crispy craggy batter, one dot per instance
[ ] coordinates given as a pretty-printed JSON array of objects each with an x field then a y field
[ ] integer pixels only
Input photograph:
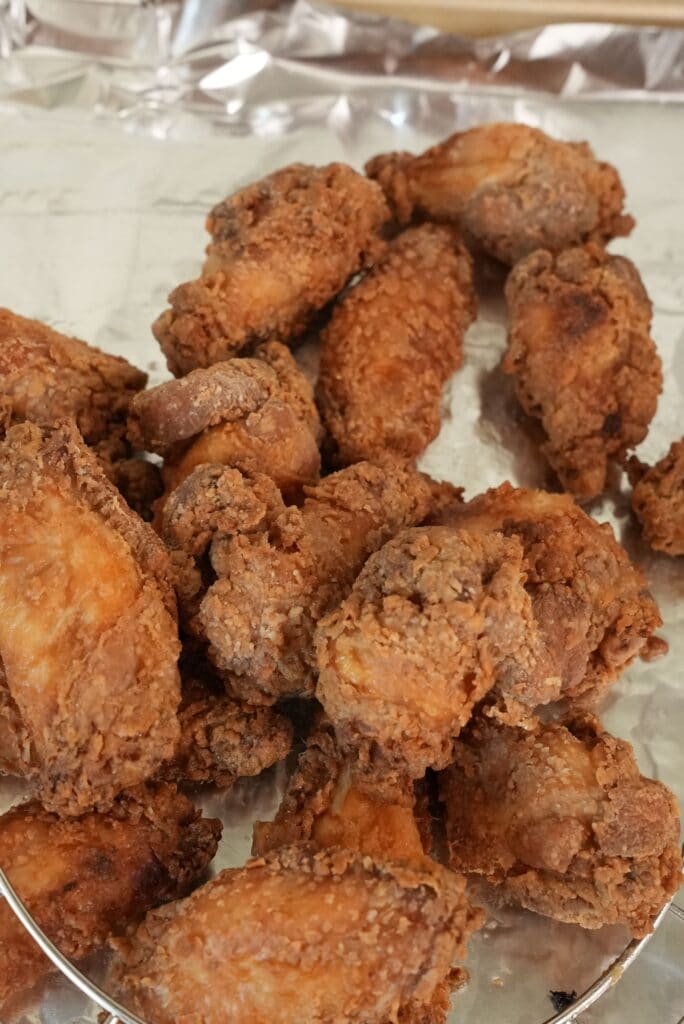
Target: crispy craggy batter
[
  {"x": 274, "y": 571},
  {"x": 85, "y": 879},
  {"x": 583, "y": 360},
  {"x": 316, "y": 937},
  {"x": 88, "y": 635},
  {"x": 592, "y": 606},
  {"x": 510, "y": 188},
  {"x": 658, "y": 499},
  {"x": 560, "y": 820},
  {"x": 391, "y": 344},
  {"x": 420, "y": 640},
  {"x": 281, "y": 249}
]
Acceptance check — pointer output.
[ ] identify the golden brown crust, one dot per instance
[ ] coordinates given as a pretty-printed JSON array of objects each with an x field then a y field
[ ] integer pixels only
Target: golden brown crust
[
  {"x": 658, "y": 499},
  {"x": 559, "y": 819},
  {"x": 583, "y": 360},
  {"x": 392, "y": 342},
  {"x": 510, "y": 188},
  {"x": 281, "y": 249}
]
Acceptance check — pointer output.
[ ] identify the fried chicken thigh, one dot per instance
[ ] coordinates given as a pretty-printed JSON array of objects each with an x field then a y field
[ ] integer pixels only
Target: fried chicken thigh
[
  {"x": 391, "y": 344},
  {"x": 510, "y": 188},
  {"x": 88, "y": 635},
  {"x": 281, "y": 249},
  {"x": 298, "y": 937},
  {"x": 85, "y": 879},
  {"x": 583, "y": 360},
  {"x": 658, "y": 499},
  {"x": 559, "y": 820}
]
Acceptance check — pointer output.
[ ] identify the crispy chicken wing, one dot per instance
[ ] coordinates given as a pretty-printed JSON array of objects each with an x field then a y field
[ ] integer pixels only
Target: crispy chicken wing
[
  {"x": 510, "y": 188},
  {"x": 391, "y": 344},
  {"x": 559, "y": 820},
  {"x": 88, "y": 635},
  {"x": 583, "y": 360},
  {"x": 84, "y": 879},
  {"x": 298, "y": 937},
  {"x": 281, "y": 249},
  {"x": 658, "y": 499}
]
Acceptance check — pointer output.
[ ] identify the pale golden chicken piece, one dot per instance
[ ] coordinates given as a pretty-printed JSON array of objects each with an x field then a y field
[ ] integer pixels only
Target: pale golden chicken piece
[
  {"x": 509, "y": 188},
  {"x": 592, "y": 606},
  {"x": 559, "y": 820},
  {"x": 297, "y": 937},
  {"x": 88, "y": 635},
  {"x": 281, "y": 249},
  {"x": 87, "y": 878},
  {"x": 393, "y": 341},
  {"x": 658, "y": 499},
  {"x": 582, "y": 358}
]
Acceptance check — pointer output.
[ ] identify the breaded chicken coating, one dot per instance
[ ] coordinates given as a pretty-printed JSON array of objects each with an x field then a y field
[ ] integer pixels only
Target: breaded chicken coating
[
  {"x": 583, "y": 360},
  {"x": 559, "y": 820},
  {"x": 592, "y": 606},
  {"x": 281, "y": 249},
  {"x": 509, "y": 188},
  {"x": 298, "y": 937},
  {"x": 88, "y": 635},
  {"x": 658, "y": 499},
  {"x": 87, "y": 878},
  {"x": 274, "y": 571},
  {"x": 431, "y": 622},
  {"x": 391, "y": 344}
]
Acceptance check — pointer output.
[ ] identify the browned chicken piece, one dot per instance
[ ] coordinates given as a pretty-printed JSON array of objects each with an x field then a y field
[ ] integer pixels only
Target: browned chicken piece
[
  {"x": 583, "y": 360},
  {"x": 257, "y": 415},
  {"x": 85, "y": 879},
  {"x": 592, "y": 606},
  {"x": 88, "y": 635},
  {"x": 559, "y": 820},
  {"x": 509, "y": 188},
  {"x": 658, "y": 499},
  {"x": 433, "y": 620},
  {"x": 140, "y": 482},
  {"x": 275, "y": 570},
  {"x": 281, "y": 249},
  {"x": 391, "y": 344},
  {"x": 298, "y": 937}
]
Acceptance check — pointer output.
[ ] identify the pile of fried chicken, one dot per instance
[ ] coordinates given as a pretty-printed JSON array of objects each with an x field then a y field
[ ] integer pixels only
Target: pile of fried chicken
[{"x": 184, "y": 568}]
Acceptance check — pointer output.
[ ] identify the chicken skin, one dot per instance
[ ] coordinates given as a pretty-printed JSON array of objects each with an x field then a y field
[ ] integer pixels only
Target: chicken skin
[
  {"x": 592, "y": 606},
  {"x": 559, "y": 820},
  {"x": 274, "y": 570},
  {"x": 658, "y": 499},
  {"x": 433, "y": 619},
  {"x": 391, "y": 344},
  {"x": 89, "y": 685},
  {"x": 87, "y": 878},
  {"x": 281, "y": 249},
  {"x": 257, "y": 415},
  {"x": 583, "y": 360},
  {"x": 298, "y": 937},
  {"x": 509, "y": 188}
]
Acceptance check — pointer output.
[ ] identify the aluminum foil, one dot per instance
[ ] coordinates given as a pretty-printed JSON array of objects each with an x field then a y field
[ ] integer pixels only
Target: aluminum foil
[{"x": 122, "y": 123}]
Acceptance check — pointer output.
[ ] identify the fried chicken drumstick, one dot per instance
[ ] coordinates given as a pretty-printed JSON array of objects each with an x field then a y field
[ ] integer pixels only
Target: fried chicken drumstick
[
  {"x": 509, "y": 188},
  {"x": 559, "y": 820},
  {"x": 391, "y": 344},
  {"x": 281, "y": 249},
  {"x": 658, "y": 499}
]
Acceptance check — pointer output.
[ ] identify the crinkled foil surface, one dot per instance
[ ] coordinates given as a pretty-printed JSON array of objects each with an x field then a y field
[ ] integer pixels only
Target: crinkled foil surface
[{"x": 123, "y": 123}]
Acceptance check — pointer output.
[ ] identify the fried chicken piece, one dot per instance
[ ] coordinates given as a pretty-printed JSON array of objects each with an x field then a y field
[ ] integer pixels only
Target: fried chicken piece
[
  {"x": 583, "y": 360},
  {"x": 391, "y": 344},
  {"x": 85, "y": 879},
  {"x": 281, "y": 249},
  {"x": 141, "y": 484},
  {"x": 658, "y": 499},
  {"x": 509, "y": 188},
  {"x": 433, "y": 620},
  {"x": 559, "y": 820},
  {"x": 277, "y": 570},
  {"x": 592, "y": 606},
  {"x": 298, "y": 937},
  {"x": 88, "y": 634},
  {"x": 257, "y": 415}
]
